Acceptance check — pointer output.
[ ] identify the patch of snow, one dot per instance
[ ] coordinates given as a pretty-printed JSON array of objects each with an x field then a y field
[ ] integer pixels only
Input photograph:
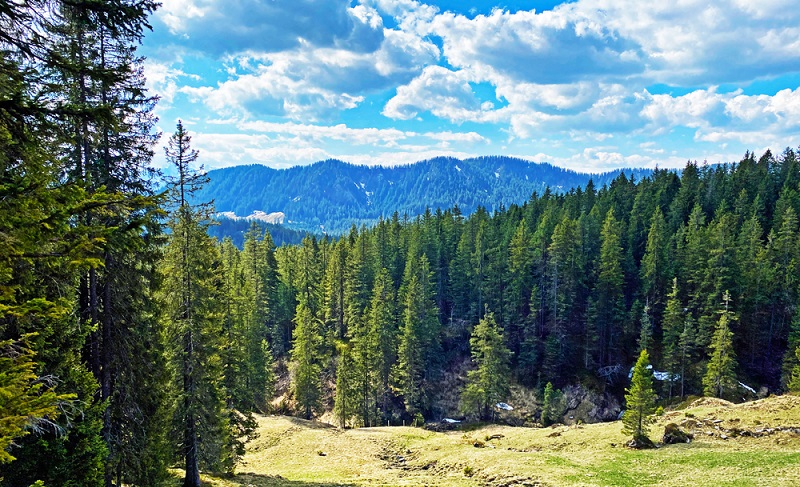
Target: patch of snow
[
  {"x": 497, "y": 175},
  {"x": 362, "y": 185},
  {"x": 391, "y": 183},
  {"x": 296, "y": 199},
  {"x": 276, "y": 217},
  {"x": 526, "y": 177},
  {"x": 747, "y": 387},
  {"x": 458, "y": 168},
  {"x": 503, "y": 406}
]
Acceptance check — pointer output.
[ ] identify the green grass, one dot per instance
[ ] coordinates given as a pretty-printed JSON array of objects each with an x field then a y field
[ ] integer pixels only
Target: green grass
[{"x": 297, "y": 453}]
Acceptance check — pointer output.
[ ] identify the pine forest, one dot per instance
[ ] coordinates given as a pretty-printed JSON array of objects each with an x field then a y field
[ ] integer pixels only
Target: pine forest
[{"x": 132, "y": 342}]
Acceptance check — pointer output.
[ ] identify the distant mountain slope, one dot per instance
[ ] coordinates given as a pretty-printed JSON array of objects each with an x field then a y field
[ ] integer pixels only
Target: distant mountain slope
[
  {"x": 236, "y": 229},
  {"x": 332, "y": 195}
]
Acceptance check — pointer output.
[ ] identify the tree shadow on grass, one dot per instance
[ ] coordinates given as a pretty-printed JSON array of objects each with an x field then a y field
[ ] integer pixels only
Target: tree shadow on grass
[
  {"x": 259, "y": 480},
  {"x": 311, "y": 424}
]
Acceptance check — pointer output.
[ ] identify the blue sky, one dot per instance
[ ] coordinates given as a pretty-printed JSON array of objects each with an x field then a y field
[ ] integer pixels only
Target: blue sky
[{"x": 588, "y": 84}]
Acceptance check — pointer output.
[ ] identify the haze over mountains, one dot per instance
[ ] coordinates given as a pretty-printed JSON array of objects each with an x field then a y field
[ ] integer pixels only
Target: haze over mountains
[{"x": 329, "y": 196}]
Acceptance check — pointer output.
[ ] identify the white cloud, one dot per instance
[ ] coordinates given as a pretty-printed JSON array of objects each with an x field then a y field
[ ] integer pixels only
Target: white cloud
[
  {"x": 220, "y": 27},
  {"x": 577, "y": 76},
  {"x": 340, "y": 133},
  {"x": 446, "y": 94},
  {"x": 286, "y": 144},
  {"x": 176, "y": 13}
]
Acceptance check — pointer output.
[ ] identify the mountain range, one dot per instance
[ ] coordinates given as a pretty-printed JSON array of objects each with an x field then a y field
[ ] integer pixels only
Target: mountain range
[{"x": 330, "y": 196}]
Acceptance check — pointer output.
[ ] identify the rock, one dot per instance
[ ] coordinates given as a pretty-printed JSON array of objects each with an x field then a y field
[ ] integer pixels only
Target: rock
[
  {"x": 589, "y": 406},
  {"x": 674, "y": 434},
  {"x": 643, "y": 443}
]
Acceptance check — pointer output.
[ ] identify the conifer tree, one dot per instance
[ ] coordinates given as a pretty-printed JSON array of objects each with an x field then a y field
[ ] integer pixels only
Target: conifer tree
[
  {"x": 194, "y": 310},
  {"x": 609, "y": 303},
  {"x": 672, "y": 327},
  {"x": 563, "y": 270},
  {"x": 259, "y": 270},
  {"x": 552, "y": 405},
  {"x": 488, "y": 383},
  {"x": 520, "y": 270},
  {"x": 720, "y": 377},
  {"x": 23, "y": 399},
  {"x": 640, "y": 401},
  {"x": 347, "y": 394},
  {"x": 91, "y": 107},
  {"x": 654, "y": 267},
  {"x": 383, "y": 323},
  {"x": 307, "y": 383},
  {"x": 418, "y": 348}
]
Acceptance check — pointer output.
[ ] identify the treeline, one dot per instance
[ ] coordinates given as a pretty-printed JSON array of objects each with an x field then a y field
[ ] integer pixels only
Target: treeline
[{"x": 700, "y": 269}]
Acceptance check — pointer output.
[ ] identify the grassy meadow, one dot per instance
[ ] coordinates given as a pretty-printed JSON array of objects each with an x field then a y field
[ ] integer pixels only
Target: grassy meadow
[{"x": 755, "y": 443}]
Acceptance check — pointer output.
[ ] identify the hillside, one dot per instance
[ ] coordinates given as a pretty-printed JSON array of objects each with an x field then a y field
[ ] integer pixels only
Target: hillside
[
  {"x": 754, "y": 443},
  {"x": 332, "y": 195}
]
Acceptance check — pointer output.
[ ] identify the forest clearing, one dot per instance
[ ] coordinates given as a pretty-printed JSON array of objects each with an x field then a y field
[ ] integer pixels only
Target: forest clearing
[{"x": 753, "y": 443}]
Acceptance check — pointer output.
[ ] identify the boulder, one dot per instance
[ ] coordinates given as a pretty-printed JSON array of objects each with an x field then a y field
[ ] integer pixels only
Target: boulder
[
  {"x": 589, "y": 406},
  {"x": 674, "y": 434},
  {"x": 642, "y": 443}
]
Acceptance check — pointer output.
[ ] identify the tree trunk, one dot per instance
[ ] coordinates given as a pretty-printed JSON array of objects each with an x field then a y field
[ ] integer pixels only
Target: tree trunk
[{"x": 192, "y": 478}]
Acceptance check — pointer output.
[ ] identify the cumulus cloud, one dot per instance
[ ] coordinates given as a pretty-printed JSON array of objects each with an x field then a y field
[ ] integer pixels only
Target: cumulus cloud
[
  {"x": 561, "y": 46},
  {"x": 220, "y": 27},
  {"x": 446, "y": 94},
  {"x": 313, "y": 82},
  {"x": 589, "y": 73},
  {"x": 287, "y": 144},
  {"x": 713, "y": 113}
]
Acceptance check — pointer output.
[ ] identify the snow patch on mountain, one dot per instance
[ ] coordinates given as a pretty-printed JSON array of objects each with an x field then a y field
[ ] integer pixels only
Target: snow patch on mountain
[{"x": 276, "y": 217}]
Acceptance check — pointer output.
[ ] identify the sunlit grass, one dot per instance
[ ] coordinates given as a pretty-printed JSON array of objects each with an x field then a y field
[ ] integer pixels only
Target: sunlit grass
[{"x": 292, "y": 452}]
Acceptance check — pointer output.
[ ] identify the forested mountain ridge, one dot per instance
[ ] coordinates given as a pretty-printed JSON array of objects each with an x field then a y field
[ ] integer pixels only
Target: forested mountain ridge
[
  {"x": 699, "y": 269},
  {"x": 331, "y": 195}
]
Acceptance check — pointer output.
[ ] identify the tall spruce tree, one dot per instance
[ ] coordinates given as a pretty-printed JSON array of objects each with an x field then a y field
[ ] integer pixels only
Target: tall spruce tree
[
  {"x": 610, "y": 303},
  {"x": 418, "y": 349},
  {"x": 307, "y": 381},
  {"x": 193, "y": 299}
]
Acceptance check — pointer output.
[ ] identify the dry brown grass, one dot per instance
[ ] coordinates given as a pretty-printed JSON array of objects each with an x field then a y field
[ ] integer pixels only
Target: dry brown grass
[{"x": 298, "y": 453}]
